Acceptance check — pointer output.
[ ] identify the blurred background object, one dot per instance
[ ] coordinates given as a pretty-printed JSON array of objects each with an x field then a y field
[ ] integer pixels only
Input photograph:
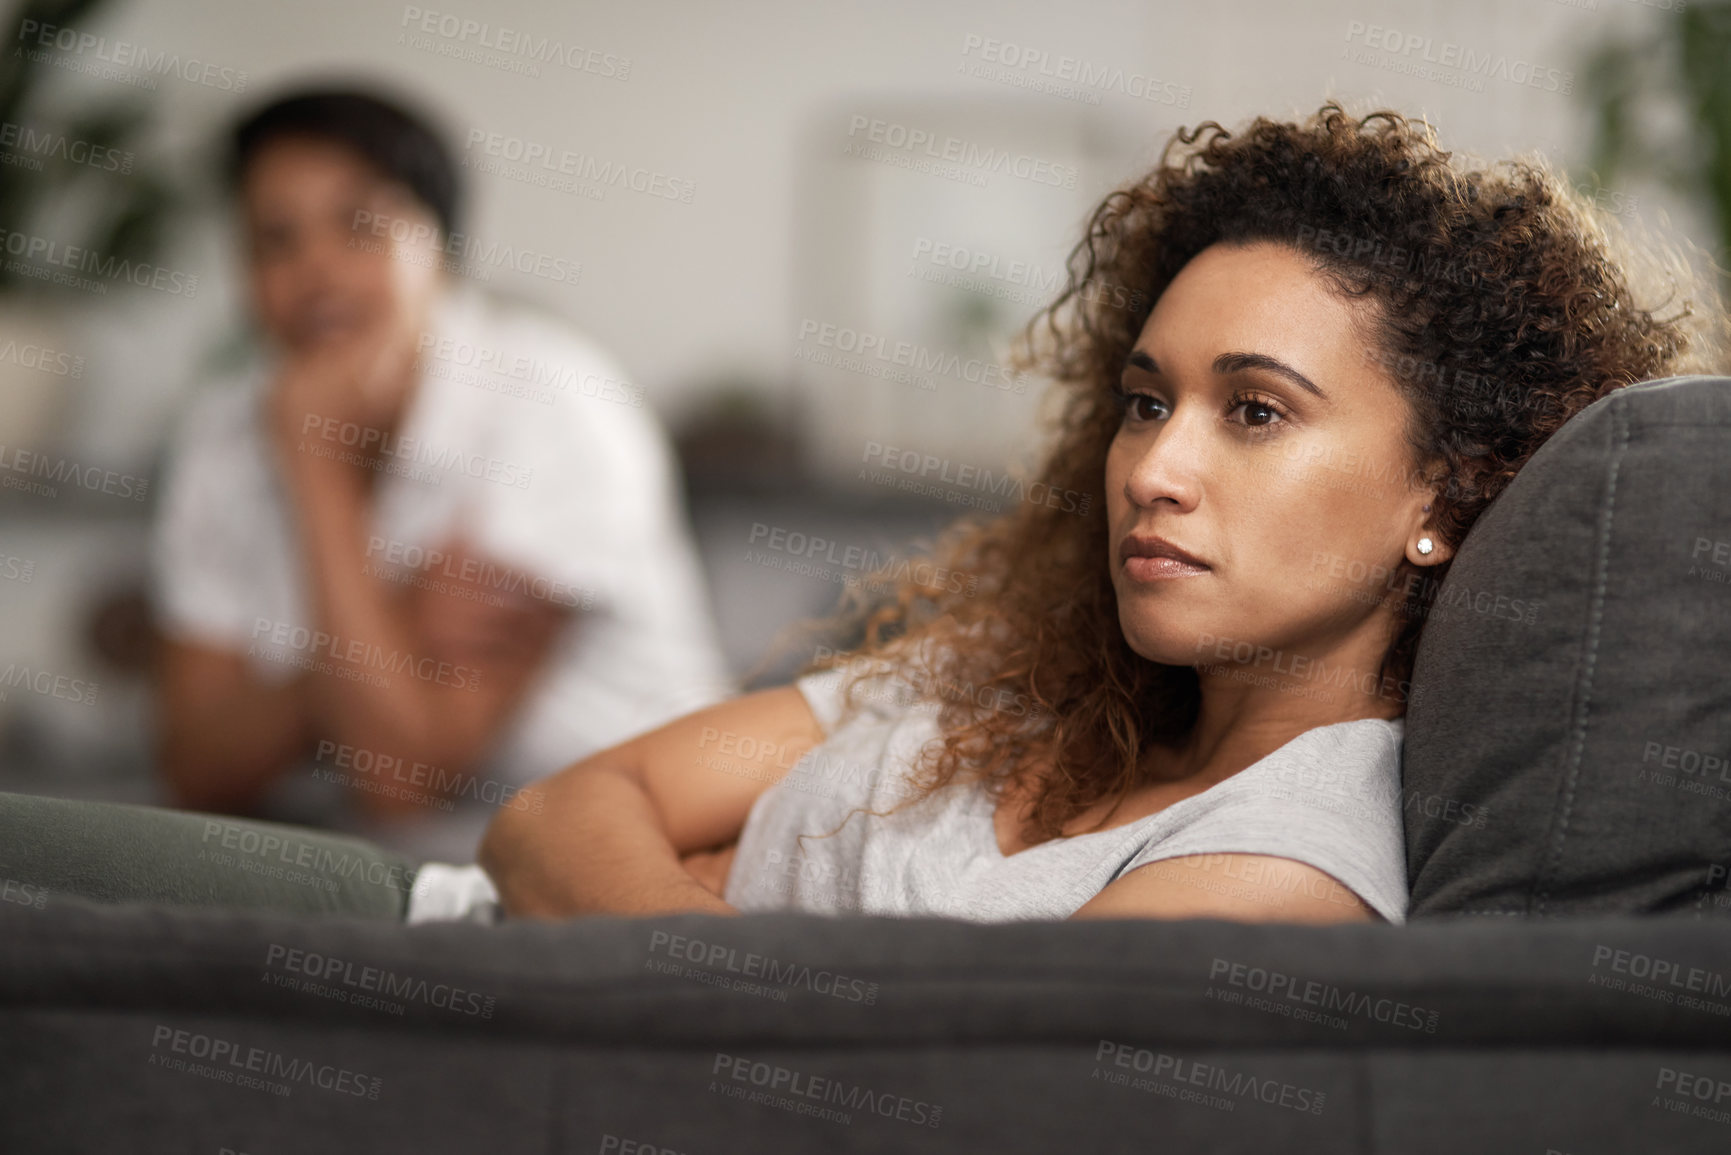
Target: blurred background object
[
  {"x": 810, "y": 234},
  {"x": 1660, "y": 107},
  {"x": 78, "y": 188}
]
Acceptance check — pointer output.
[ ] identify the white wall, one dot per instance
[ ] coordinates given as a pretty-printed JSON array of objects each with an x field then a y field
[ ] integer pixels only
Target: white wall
[
  {"x": 720, "y": 94},
  {"x": 752, "y": 102}
]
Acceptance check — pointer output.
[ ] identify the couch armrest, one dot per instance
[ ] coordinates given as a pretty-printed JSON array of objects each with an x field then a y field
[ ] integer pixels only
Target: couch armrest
[{"x": 116, "y": 853}]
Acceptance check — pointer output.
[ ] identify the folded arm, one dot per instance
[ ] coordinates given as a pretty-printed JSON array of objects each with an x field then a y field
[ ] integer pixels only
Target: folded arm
[
  {"x": 616, "y": 829},
  {"x": 458, "y": 664}
]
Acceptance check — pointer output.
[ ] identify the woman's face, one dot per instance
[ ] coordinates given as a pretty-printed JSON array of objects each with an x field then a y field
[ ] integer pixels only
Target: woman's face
[
  {"x": 1259, "y": 438},
  {"x": 319, "y": 221}
]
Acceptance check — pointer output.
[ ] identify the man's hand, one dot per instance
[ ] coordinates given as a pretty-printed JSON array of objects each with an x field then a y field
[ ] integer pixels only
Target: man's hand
[
  {"x": 358, "y": 381},
  {"x": 473, "y": 610},
  {"x": 469, "y": 611},
  {"x": 363, "y": 378}
]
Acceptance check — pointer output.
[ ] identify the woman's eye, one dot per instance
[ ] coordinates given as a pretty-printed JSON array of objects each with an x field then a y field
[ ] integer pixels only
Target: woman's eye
[
  {"x": 1140, "y": 406},
  {"x": 1258, "y": 414}
]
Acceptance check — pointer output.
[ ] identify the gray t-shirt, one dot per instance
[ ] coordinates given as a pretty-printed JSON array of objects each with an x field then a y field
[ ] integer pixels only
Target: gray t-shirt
[{"x": 1329, "y": 798}]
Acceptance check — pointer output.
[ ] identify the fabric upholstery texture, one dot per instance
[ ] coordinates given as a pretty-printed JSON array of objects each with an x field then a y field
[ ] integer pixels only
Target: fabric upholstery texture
[
  {"x": 117, "y": 852},
  {"x": 1580, "y": 762},
  {"x": 131, "y": 1028}
]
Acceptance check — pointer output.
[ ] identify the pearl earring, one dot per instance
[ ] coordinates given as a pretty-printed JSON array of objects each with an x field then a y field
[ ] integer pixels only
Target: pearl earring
[{"x": 1424, "y": 545}]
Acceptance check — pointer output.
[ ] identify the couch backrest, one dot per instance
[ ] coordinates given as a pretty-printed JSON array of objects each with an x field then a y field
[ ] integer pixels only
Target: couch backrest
[{"x": 1568, "y": 741}]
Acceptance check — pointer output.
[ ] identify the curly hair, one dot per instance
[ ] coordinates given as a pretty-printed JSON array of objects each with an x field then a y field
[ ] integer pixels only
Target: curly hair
[{"x": 1503, "y": 305}]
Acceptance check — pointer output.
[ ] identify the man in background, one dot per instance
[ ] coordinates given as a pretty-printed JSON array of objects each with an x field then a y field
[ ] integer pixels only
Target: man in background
[{"x": 428, "y": 546}]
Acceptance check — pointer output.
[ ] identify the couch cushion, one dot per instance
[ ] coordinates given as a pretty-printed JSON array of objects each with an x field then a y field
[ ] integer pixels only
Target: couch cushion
[
  {"x": 1568, "y": 741},
  {"x": 120, "y": 853},
  {"x": 132, "y": 1028}
]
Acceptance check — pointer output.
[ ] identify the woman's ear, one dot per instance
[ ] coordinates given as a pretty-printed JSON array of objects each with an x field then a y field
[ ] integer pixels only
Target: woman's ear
[{"x": 1425, "y": 546}]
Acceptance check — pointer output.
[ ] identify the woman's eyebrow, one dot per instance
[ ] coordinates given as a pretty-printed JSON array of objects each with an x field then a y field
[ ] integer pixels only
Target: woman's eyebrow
[
  {"x": 1233, "y": 362},
  {"x": 1140, "y": 360}
]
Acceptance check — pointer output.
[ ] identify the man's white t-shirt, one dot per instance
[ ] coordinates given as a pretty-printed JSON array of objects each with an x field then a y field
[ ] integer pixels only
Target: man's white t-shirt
[{"x": 528, "y": 439}]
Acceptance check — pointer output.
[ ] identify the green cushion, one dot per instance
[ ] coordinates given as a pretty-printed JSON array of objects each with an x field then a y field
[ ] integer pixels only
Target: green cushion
[{"x": 113, "y": 853}]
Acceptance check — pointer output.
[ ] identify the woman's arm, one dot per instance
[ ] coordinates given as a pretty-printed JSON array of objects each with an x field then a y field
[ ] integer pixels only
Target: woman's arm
[
  {"x": 710, "y": 867},
  {"x": 1239, "y": 887},
  {"x": 614, "y": 827}
]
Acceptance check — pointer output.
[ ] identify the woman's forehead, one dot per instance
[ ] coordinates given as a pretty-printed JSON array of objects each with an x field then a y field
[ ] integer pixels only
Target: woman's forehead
[{"x": 1240, "y": 297}]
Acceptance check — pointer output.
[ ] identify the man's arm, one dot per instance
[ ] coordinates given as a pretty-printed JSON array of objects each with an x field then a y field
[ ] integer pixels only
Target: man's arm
[
  {"x": 1239, "y": 887},
  {"x": 445, "y": 693},
  {"x": 224, "y": 735}
]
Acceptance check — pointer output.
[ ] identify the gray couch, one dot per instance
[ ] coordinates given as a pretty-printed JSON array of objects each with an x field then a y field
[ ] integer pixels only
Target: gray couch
[{"x": 1564, "y": 986}]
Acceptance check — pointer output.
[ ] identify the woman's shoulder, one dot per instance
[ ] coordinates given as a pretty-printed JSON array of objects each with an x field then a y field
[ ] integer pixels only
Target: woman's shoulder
[
  {"x": 863, "y": 685},
  {"x": 1330, "y": 798},
  {"x": 1348, "y": 769},
  {"x": 918, "y": 676}
]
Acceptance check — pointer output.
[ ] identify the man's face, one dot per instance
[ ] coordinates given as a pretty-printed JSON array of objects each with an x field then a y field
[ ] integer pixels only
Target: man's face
[{"x": 318, "y": 272}]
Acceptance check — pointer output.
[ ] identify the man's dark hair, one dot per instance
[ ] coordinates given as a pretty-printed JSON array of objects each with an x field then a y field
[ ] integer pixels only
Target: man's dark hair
[{"x": 401, "y": 145}]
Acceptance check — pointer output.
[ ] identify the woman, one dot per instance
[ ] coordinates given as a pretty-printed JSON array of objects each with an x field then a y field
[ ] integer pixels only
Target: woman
[{"x": 1186, "y": 701}]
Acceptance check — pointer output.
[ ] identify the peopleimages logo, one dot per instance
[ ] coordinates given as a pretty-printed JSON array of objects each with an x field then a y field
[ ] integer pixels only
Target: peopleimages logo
[
  {"x": 963, "y": 476},
  {"x": 799, "y": 1092},
  {"x": 1251, "y": 656},
  {"x": 49, "y": 259},
  {"x": 227, "y": 1061},
  {"x": 467, "y": 249},
  {"x": 30, "y": 355},
  {"x": 1175, "y": 1070},
  {"x": 1662, "y": 972},
  {"x": 356, "y": 654},
  {"x": 908, "y": 355},
  {"x": 515, "y": 42},
  {"x": 26, "y": 464},
  {"x": 535, "y": 373},
  {"x": 47, "y": 684},
  {"x": 1277, "y": 985},
  {"x": 38, "y": 143},
  {"x": 1028, "y": 282},
  {"x": 1459, "y": 58},
  {"x": 126, "y": 54},
  {"x": 292, "y": 851},
  {"x": 446, "y": 785},
  {"x": 719, "y": 957},
  {"x": 485, "y": 150},
  {"x": 377, "y": 980},
  {"x": 955, "y": 150},
  {"x": 416, "y": 450},
  {"x": 810, "y": 549},
  {"x": 1067, "y": 76}
]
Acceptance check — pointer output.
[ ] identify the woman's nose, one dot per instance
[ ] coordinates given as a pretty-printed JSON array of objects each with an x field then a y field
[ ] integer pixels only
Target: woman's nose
[{"x": 1168, "y": 465}]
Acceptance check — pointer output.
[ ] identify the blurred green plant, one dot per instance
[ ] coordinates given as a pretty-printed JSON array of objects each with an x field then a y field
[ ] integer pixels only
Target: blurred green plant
[
  {"x": 1638, "y": 86},
  {"x": 125, "y": 214}
]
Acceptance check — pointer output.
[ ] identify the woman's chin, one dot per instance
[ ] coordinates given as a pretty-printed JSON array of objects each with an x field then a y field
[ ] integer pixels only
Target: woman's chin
[{"x": 1170, "y": 643}]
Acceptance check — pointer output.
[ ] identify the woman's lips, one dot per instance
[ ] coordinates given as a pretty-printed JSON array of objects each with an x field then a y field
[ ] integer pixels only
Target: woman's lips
[{"x": 1153, "y": 569}]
